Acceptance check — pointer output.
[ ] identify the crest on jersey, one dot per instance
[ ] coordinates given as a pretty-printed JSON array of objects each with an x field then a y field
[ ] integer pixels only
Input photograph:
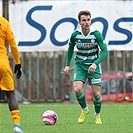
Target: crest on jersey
[
  {"x": 79, "y": 41},
  {"x": 92, "y": 40}
]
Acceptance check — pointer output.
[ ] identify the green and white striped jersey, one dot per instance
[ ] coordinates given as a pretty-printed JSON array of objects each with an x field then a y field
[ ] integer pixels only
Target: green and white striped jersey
[{"x": 88, "y": 47}]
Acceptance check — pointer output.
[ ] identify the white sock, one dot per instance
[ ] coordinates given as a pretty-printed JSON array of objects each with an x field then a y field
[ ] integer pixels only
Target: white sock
[
  {"x": 85, "y": 109},
  {"x": 96, "y": 114}
]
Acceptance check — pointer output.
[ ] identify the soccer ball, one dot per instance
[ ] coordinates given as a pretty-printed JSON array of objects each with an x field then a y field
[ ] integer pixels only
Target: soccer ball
[{"x": 49, "y": 117}]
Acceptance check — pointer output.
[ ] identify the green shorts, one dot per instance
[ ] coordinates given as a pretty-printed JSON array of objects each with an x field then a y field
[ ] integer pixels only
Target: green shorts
[{"x": 81, "y": 73}]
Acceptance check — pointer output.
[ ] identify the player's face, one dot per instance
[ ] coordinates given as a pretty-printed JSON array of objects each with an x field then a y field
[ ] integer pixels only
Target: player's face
[{"x": 85, "y": 22}]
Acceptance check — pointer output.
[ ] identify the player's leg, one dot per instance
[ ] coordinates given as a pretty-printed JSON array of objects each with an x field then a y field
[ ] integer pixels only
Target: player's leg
[
  {"x": 78, "y": 85},
  {"x": 97, "y": 103},
  {"x": 7, "y": 85},
  {"x": 95, "y": 82},
  {"x": 79, "y": 80},
  {"x": 14, "y": 109}
]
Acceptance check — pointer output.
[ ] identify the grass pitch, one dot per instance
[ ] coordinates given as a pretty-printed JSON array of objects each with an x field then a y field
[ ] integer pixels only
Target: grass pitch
[{"x": 116, "y": 118}]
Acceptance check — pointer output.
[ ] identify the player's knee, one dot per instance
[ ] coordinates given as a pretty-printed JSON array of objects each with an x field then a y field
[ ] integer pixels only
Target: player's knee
[
  {"x": 97, "y": 94},
  {"x": 77, "y": 90}
]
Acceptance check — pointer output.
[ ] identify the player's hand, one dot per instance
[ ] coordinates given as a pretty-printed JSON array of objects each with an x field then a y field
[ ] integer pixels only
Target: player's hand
[
  {"x": 66, "y": 70},
  {"x": 92, "y": 68},
  {"x": 18, "y": 70}
]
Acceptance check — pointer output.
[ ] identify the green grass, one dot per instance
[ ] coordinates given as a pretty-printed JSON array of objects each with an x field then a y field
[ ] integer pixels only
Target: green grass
[{"x": 116, "y": 118}]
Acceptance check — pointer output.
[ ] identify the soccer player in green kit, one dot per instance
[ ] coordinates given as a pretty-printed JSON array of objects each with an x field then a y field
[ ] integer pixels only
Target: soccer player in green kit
[{"x": 87, "y": 63}]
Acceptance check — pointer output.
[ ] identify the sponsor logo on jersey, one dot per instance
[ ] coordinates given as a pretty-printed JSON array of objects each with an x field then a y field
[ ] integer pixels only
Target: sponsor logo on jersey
[
  {"x": 80, "y": 44},
  {"x": 85, "y": 44},
  {"x": 88, "y": 44}
]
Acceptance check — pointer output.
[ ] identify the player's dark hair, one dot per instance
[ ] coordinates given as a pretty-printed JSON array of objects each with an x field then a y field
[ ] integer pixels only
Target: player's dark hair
[{"x": 84, "y": 12}]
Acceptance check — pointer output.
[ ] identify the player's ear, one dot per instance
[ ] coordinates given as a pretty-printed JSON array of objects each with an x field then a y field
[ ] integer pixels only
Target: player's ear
[{"x": 79, "y": 22}]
